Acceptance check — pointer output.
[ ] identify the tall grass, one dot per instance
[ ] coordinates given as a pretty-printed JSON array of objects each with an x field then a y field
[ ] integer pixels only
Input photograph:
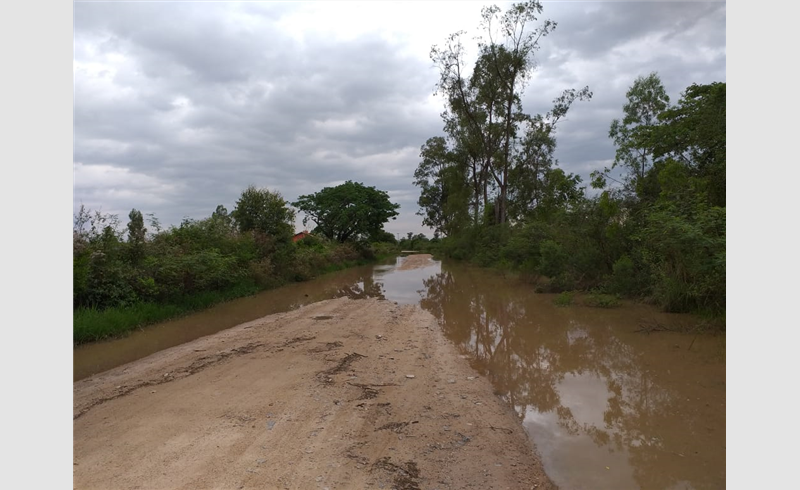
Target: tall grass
[{"x": 91, "y": 324}]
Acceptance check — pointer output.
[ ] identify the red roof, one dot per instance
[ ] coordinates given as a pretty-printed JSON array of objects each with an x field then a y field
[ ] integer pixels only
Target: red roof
[{"x": 300, "y": 236}]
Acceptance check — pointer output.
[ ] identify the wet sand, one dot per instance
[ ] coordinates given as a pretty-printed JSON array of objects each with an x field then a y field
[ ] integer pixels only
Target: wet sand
[{"x": 339, "y": 394}]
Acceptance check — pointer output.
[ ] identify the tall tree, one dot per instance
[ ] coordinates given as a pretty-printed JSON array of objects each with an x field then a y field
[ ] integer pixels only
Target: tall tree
[
  {"x": 483, "y": 115},
  {"x": 350, "y": 211},
  {"x": 534, "y": 164},
  {"x": 136, "y": 235},
  {"x": 632, "y": 135}
]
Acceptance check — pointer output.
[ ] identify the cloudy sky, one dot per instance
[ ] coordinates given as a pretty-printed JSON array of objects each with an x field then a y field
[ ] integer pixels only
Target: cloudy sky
[{"x": 179, "y": 106}]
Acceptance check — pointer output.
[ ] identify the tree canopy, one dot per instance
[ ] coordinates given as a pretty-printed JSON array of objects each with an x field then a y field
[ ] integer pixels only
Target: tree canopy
[
  {"x": 495, "y": 157},
  {"x": 264, "y": 211},
  {"x": 350, "y": 211}
]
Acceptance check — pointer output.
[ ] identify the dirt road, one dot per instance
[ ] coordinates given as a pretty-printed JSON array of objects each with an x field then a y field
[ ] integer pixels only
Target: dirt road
[{"x": 339, "y": 394}]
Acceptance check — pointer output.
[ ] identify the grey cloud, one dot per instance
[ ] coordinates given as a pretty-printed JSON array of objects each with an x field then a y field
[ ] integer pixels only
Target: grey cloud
[{"x": 212, "y": 97}]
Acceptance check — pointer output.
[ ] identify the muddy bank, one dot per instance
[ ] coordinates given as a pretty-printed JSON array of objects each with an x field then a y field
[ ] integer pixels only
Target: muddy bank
[{"x": 339, "y": 394}]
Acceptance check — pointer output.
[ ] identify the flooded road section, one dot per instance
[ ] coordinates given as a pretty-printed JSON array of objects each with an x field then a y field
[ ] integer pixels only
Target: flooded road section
[{"x": 608, "y": 407}]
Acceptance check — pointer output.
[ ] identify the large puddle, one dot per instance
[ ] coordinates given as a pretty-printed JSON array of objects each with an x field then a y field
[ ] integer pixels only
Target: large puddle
[{"x": 609, "y": 408}]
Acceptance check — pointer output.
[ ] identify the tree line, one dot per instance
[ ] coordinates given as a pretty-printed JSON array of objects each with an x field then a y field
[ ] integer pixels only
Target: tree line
[
  {"x": 142, "y": 274},
  {"x": 654, "y": 224}
]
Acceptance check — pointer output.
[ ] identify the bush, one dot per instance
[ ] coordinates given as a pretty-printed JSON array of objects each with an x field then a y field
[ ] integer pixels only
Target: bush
[
  {"x": 600, "y": 300},
  {"x": 564, "y": 299},
  {"x": 553, "y": 260},
  {"x": 624, "y": 279}
]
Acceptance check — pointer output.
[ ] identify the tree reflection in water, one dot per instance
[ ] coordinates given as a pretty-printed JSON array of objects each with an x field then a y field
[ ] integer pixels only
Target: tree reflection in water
[{"x": 536, "y": 355}]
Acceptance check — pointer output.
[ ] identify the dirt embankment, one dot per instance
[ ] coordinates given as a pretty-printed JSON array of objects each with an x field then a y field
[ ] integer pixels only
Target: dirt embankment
[
  {"x": 339, "y": 394},
  {"x": 415, "y": 261}
]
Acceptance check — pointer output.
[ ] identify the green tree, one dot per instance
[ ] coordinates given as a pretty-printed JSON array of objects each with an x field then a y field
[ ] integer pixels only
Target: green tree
[
  {"x": 137, "y": 234},
  {"x": 350, "y": 211},
  {"x": 632, "y": 135},
  {"x": 484, "y": 116},
  {"x": 693, "y": 133},
  {"x": 263, "y": 211},
  {"x": 222, "y": 216},
  {"x": 444, "y": 191}
]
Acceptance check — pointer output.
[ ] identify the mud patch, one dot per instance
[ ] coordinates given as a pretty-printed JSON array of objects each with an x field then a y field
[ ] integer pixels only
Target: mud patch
[
  {"x": 358, "y": 458},
  {"x": 343, "y": 365},
  {"x": 296, "y": 340},
  {"x": 368, "y": 393},
  {"x": 329, "y": 346},
  {"x": 406, "y": 475},
  {"x": 396, "y": 426}
]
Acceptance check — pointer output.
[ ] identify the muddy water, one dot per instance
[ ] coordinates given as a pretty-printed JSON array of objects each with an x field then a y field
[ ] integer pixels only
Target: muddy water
[{"x": 609, "y": 408}]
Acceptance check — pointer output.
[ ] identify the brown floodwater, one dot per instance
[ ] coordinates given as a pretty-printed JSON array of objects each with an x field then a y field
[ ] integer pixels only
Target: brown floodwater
[{"x": 608, "y": 407}]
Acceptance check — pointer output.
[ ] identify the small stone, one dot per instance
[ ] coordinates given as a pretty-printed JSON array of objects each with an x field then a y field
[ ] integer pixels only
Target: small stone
[
  {"x": 153, "y": 391},
  {"x": 470, "y": 378},
  {"x": 410, "y": 376}
]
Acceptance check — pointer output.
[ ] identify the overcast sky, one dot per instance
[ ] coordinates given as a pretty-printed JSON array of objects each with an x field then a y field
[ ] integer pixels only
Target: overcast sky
[{"x": 179, "y": 106}]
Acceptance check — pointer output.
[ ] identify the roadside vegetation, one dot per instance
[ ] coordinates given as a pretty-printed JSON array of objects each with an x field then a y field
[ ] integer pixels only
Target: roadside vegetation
[
  {"x": 651, "y": 226},
  {"x": 125, "y": 278}
]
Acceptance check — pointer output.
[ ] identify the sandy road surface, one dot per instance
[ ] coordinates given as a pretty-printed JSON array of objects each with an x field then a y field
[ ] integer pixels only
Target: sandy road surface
[{"x": 339, "y": 394}]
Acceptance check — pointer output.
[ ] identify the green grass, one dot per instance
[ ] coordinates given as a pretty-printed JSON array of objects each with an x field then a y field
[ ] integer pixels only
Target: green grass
[
  {"x": 564, "y": 299},
  {"x": 90, "y": 324},
  {"x": 600, "y": 300}
]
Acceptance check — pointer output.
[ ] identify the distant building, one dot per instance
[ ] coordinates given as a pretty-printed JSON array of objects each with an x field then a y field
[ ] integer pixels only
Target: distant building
[{"x": 301, "y": 235}]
